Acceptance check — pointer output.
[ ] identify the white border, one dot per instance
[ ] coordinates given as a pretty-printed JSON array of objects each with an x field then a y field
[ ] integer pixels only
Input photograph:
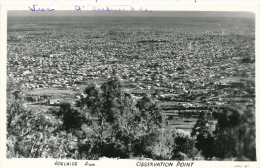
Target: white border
[{"x": 165, "y": 5}]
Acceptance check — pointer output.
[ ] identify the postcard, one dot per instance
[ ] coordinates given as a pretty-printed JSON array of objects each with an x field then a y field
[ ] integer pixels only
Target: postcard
[{"x": 129, "y": 84}]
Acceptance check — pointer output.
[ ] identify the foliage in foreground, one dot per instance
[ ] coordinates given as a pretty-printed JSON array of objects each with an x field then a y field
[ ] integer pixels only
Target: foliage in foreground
[
  {"x": 233, "y": 137},
  {"x": 108, "y": 122}
]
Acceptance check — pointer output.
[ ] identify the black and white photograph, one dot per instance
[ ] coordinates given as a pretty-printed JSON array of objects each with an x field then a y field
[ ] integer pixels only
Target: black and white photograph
[{"x": 130, "y": 83}]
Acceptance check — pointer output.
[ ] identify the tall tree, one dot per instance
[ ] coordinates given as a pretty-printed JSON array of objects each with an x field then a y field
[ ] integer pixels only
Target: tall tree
[
  {"x": 110, "y": 113},
  {"x": 235, "y": 134},
  {"x": 149, "y": 113},
  {"x": 204, "y": 137},
  {"x": 117, "y": 119}
]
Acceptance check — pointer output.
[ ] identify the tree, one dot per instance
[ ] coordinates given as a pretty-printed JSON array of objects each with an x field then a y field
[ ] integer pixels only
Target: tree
[
  {"x": 120, "y": 124},
  {"x": 235, "y": 134},
  {"x": 71, "y": 117},
  {"x": 204, "y": 137},
  {"x": 149, "y": 113},
  {"x": 184, "y": 147},
  {"x": 110, "y": 114},
  {"x": 168, "y": 143},
  {"x": 33, "y": 134},
  {"x": 148, "y": 120}
]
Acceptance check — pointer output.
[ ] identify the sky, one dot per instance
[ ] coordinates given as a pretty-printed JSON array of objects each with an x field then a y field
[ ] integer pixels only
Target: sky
[{"x": 135, "y": 14}]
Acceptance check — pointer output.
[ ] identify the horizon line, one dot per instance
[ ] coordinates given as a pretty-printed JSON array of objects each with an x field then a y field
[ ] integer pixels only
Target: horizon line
[{"x": 69, "y": 13}]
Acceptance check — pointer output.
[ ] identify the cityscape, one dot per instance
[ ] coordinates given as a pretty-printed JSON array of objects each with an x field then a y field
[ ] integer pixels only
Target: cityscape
[{"x": 187, "y": 66}]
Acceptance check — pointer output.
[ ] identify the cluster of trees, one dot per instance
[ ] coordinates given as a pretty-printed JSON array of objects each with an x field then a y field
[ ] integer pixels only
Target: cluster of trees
[
  {"x": 108, "y": 122},
  {"x": 233, "y": 136}
]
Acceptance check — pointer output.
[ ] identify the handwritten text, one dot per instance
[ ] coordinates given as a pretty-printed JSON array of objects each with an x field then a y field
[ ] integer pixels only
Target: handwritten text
[
  {"x": 34, "y": 8},
  {"x": 108, "y": 9}
]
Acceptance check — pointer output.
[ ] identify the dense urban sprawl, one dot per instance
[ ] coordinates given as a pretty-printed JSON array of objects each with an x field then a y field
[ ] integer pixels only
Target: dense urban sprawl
[{"x": 185, "y": 70}]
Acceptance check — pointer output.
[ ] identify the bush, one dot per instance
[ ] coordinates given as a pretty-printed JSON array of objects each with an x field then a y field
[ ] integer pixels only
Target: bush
[{"x": 30, "y": 134}]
